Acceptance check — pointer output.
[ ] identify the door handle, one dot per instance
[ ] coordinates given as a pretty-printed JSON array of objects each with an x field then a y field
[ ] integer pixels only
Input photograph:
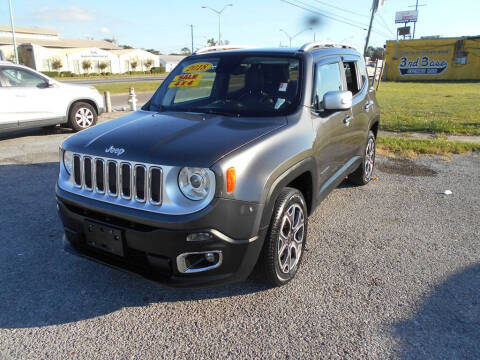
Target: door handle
[
  {"x": 347, "y": 120},
  {"x": 21, "y": 95},
  {"x": 368, "y": 105}
]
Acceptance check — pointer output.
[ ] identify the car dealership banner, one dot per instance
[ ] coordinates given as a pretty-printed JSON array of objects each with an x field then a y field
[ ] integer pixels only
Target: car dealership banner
[{"x": 433, "y": 59}]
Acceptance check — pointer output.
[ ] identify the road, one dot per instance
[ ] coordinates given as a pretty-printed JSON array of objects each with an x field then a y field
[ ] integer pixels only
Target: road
[
  {"x": 93, "y": 81},
  {"x": 392, "y": 270}
]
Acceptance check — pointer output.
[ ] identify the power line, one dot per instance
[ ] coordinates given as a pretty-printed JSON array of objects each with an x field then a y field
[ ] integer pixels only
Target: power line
[
  {"x": 385, "y": 25},
  {"x": 323, "y": 11},
  {"x": 339, "y": 8},
  {"x": 318, "y": 11}
]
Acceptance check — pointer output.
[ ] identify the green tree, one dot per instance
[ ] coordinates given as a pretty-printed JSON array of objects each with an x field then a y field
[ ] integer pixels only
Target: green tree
[
  {"x": 375, "y": 53},
  {"x": 186, "y": 51},
  {"x": 148, "y": 63},
  {"x": 56, "y": 64},
  {"x": 211, "y": 42},
  {"x": 102, "y": 66},
  {"x": 134, "y": 64},
  {"x": 86, "y": 65},
  {"x": 153, "y": 51}
]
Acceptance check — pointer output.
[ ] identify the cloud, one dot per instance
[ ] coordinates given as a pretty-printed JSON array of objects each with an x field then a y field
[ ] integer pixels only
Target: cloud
[
  {"x": 65, "y": 13},
  {"x": 105, "y": 30}
]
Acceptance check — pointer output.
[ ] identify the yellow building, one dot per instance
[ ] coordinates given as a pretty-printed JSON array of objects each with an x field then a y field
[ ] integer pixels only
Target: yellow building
[{"x": 433, "y": 59}]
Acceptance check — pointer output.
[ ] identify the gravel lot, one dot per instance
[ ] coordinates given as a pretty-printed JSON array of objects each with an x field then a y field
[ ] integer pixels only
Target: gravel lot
[{"x": 392, "y": 271}]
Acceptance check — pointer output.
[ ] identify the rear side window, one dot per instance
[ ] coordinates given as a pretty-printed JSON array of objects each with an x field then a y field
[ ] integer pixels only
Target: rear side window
[
  {"x": 327, "y": 78},
  {"x": 21, "y": 78},
  {"x": 351, "y": 76}
]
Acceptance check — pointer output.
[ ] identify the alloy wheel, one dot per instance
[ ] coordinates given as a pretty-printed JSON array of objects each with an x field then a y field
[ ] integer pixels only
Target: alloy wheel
[
  {"x": 369, "y": 158},
  {"x": 291, "y": 238},
  {"x": 84, "y": 117}
]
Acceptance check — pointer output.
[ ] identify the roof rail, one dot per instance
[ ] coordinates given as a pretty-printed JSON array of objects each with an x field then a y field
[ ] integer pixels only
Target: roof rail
[
  {"x": 221, "y": 48},
  {"x": 322, "y": 45}
]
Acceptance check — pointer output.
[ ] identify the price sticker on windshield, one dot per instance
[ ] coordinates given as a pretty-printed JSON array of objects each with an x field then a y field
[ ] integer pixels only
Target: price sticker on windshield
[
  {"x": 186, "y": 80},
  {"x": 197, "y": 67}
]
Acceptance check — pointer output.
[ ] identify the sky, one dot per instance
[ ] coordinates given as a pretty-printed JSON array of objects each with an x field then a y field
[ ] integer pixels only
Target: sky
[{"x": 165, "y": 25}]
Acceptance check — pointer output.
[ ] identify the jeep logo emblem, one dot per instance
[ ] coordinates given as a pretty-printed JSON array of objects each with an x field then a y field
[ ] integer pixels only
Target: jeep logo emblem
[{"x": 114, "y": 150}]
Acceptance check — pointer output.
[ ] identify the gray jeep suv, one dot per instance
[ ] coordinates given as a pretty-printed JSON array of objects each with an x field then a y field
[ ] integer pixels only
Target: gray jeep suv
[{"x": 217, "y": 174}]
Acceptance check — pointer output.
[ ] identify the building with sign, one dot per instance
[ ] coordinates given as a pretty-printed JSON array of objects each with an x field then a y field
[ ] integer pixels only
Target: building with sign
[
  {"x": 41, "y": 49},
  {"x": 433, "y": 58}
]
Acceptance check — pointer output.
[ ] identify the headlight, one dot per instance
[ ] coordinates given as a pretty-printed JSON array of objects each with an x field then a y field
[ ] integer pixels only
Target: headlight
[
  {"x": 68, "y": 161},
  {"x": 194, "y": 183}
]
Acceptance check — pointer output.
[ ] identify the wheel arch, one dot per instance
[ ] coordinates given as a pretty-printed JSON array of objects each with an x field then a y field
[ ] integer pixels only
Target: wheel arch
[
  {"x": 301, "y": 176},
  {"x": 374, "y": 125},
  {"x": 84, "y": 100}
]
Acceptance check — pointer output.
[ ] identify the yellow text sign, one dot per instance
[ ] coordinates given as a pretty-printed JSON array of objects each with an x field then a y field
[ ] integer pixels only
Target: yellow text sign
[
  {"x": 197, "y": 67},
  {"x": 186, "y": 80}
]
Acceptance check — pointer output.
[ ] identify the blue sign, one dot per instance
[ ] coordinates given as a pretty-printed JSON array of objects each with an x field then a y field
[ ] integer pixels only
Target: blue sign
[{"x": 422, "y": 66}]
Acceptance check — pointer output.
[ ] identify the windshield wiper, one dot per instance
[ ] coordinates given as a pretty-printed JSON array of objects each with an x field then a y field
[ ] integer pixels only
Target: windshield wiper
[
  {"x": 159, "y": 108},
  {"x": 220, "y": 112}
]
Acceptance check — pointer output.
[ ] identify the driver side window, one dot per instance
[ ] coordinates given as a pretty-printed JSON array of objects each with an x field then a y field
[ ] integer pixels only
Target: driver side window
[
  {"x": 327, "y": 78},
  {"x": 21, "y": 78}
]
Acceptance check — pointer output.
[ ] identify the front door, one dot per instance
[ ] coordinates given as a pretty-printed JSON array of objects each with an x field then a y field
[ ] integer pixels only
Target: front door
[{"x": 329, "y": 126}]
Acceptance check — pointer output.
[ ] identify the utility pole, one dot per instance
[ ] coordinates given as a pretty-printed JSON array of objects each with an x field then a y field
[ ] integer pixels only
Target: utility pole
[
  {"x": 219, "y": 13},
  {"x": 13, "y": 32},
  {"x": 415, "y": 23},
  {"x": 191, "y": 33},
  {"x": 374, "y": 8}
]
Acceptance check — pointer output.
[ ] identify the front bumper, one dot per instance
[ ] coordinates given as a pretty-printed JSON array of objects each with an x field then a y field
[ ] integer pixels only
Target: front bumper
[{"x": 151, "y": 247}]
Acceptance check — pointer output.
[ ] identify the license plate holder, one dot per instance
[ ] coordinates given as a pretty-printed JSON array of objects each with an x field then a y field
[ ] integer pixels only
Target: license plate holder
[{"x": 104, "y": 237}]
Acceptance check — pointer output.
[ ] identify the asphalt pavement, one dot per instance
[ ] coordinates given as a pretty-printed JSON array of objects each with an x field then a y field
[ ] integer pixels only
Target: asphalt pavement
[{"x": 392, "y": 270}]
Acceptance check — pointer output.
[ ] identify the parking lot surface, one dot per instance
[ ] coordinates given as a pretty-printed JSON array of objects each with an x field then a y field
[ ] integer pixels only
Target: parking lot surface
[{"x": 392, "y": 270}]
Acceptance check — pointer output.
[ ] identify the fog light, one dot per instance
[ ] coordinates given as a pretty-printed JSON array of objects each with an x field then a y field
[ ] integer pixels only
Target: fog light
[
  {"x": 199, "y": 236},
  {"x": 210, "y": 257}
]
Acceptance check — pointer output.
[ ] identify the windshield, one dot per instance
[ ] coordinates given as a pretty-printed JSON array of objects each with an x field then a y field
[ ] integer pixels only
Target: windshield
[{"x": 232, "y": 85}]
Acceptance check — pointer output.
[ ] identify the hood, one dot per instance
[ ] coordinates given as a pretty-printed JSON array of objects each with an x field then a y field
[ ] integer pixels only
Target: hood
[{"x": 171, "y": 138}]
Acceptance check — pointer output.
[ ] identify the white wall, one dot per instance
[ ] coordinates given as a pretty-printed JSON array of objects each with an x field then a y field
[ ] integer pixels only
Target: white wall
[{"x": 136, "y": 55}]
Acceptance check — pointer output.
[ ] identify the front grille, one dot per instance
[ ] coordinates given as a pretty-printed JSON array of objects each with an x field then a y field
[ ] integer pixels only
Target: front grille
[{"x": 131, "y": 181}]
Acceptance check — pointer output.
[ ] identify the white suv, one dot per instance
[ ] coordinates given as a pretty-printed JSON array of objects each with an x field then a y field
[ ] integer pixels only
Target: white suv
[{"x": 30, "y": 99}]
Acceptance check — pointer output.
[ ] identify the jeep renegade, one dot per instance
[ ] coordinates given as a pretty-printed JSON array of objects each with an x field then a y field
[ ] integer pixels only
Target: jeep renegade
[{"x": 218, "y": 172}]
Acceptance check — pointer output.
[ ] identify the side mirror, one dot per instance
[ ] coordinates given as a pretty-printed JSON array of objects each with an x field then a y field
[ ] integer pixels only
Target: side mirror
[
  {"x": 47, "y": 84},
  {"x": 337, "y": 100}
]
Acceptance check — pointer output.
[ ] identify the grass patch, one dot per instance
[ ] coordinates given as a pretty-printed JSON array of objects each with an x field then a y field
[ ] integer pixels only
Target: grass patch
[
  {"x": 123, "y": 87},
  {"x": 452, "y": 108},
  {"x": 412, "y": 148}
]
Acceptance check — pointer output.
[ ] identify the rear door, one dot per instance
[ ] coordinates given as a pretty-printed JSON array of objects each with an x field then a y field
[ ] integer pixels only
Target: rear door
[
  {"x": 328, "y": 126},
  {"x": 8, "y": 106},
  {"x": 33, "y": 101},
  {"x": 356, "y": 128}
]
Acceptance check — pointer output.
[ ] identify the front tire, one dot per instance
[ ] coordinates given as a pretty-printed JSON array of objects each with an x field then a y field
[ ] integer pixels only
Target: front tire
[
  {"x": 363, "y": 174},
  {"x": 82, "y": 116},
  {"x": 286, "y": 238}
]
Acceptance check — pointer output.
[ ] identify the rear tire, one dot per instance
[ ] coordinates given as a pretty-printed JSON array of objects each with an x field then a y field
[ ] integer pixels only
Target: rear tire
[
  {"x": 363, "y": 174},
  {"x": 286, "y": 238},
  {"x": 82, "y": 116}
]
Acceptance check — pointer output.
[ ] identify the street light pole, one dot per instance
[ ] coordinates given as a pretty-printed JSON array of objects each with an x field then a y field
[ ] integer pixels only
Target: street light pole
[
  {"x": 191, "y": 33},
  {"x": 13, "y": 32},
  {"x": 219, "y": 13},
  {"x": 290, "y": 38}
]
